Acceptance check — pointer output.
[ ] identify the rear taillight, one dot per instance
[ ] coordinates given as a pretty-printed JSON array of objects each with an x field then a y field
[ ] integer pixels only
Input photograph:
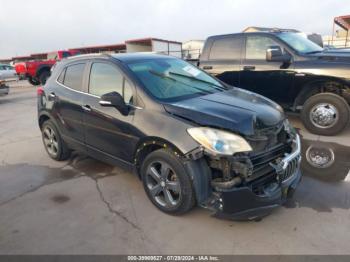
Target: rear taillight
[{"x": 40, "y": 91}]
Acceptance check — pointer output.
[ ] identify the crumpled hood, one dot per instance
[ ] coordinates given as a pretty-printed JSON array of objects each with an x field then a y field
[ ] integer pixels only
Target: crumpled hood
[{"x": 237, "y": 110}]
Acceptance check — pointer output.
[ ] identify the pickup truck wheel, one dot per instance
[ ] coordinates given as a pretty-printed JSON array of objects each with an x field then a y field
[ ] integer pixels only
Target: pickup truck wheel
[
  {"x": 54, "y": 145},
  {"x": 43, "y": 77},
  {"x": 325, "y": 114},
  {"x": 33, "y": 81},
  {"x": 167, "y": 183}
]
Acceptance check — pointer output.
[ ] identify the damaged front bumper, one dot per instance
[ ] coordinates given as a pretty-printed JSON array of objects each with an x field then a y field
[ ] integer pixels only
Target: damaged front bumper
[
  {"x": 243, "y": 204},
  {"x": 247, "y": 203}
]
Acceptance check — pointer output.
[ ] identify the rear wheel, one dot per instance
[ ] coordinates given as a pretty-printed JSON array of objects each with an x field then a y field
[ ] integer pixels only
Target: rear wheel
[
  {"x": 54, "y": 145},
  {"x": 33, "y": 81},
  {"x": 167, "y": 183},
  {"x": 325, "y": 114}
]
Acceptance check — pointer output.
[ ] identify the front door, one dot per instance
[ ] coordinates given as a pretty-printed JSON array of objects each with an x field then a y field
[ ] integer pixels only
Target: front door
[
  {"x": 271, "y": 79},
  {"x": 106, "y": 129}
]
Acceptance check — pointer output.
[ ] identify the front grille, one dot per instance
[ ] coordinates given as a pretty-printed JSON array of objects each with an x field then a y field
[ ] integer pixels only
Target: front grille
[
  {"x": 261, "y": 161},
  {"x": 265, "y": 174},
  {"x": 290, "y": 170},
  {"x": 258, "y": 185}
]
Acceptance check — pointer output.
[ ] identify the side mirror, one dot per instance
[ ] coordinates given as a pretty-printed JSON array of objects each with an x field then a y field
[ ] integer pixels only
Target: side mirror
[
  {"x": 275, "y": 54},
  {"x": 114, "y": 99}
]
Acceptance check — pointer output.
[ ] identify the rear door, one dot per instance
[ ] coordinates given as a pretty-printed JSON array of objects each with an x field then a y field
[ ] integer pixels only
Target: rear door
[
  {"x": 67, "y": 102},
  {"x": 106, "y": 130},
  {"x": 271, "y": 79},
  {"x": 224, "y": 58}
]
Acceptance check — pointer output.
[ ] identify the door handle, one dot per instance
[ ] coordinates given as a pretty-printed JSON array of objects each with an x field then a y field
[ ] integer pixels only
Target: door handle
[
  {"x": 207, "y": 67},
  {"x": 52, "y": 96},
  {"x": 249, "y": 68},
  {"x": 86, "y": 108}
]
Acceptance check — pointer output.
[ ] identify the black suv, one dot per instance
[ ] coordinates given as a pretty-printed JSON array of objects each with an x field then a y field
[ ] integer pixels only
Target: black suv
[
  {"x": 289, "y": 69},
  {"x": 190, "y": 138}
]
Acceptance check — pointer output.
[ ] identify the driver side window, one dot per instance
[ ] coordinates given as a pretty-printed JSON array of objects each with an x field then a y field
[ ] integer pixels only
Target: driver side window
[
  {"x": 257, "y": 45},
  {"x": 105, "y": 78}
]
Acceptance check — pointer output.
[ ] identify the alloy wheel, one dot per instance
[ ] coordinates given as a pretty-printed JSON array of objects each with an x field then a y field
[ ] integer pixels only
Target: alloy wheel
[
  {"x": 50, "y": 141},
  {"x": 163, "y": 184}
]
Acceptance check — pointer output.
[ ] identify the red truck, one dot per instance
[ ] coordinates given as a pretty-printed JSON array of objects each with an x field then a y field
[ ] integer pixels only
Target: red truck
[{"x": 38, "y": 71}]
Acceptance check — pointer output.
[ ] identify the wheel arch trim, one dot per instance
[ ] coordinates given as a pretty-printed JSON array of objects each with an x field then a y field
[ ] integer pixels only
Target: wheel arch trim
[
  {"x": 44, "y": 116},
  {"x": 155, "y": 143},
  {"x": 315, "y": 85}
]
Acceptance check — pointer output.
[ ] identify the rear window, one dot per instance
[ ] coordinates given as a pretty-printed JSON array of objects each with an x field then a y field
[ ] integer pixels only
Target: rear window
[
  {"x": 72, "y": 76},
  {"x": 228, "y": 48}
]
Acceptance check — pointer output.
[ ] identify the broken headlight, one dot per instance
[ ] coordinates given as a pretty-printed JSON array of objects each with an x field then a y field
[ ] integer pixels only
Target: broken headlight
[{"x": 219, "y": 142}]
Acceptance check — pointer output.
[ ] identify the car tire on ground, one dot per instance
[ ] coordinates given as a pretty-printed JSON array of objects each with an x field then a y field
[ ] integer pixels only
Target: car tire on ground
[
  {"x": 53, "y": 143},
  {"x": 167, "y": 183},
  {"x": 325, "y": 114},
  {"x": 33, "y": 81},
  {"x": 44, "y": 76}
]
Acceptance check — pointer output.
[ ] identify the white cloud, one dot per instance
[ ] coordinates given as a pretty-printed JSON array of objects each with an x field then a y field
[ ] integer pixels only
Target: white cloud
[{"x": 44, "y": 25}]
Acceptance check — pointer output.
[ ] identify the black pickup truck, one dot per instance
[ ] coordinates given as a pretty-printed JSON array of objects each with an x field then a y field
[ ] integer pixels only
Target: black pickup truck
[{"x": 289, "y": 69}]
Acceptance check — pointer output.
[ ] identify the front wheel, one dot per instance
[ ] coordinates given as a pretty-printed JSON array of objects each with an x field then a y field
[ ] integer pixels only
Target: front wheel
[
  {"x": 167, "y": 183},
  {"x": 325, "y": 114}
]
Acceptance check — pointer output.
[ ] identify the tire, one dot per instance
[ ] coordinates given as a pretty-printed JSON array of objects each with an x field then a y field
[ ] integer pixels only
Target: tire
[
  {"x": 175, "y": 181},
  {"x": 33, "y": 81},
  {"x": 327, "y": 103},
  {"x": 325, "y": 161},
  {"x": 44, "y": 76},
  {"x": 53, "y": 143}
]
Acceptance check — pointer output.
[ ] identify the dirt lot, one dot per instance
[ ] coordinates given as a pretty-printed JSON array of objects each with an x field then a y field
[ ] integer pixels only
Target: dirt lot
[{"x": 83, "y": 206}]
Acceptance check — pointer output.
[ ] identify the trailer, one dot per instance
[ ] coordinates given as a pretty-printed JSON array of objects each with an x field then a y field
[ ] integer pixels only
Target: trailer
[{"x": 155, "y": 45}]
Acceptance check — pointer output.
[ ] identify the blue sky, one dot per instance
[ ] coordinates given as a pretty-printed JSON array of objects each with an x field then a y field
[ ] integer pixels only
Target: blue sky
[{"x": 46, "y": 25}]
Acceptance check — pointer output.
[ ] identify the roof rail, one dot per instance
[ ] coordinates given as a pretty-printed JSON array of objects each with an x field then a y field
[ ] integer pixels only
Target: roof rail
[{"x": 89, "y": 55}]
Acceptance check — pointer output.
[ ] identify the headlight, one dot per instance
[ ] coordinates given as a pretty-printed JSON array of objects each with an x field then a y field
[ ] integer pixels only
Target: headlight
[{"x": 219, "y": 142}]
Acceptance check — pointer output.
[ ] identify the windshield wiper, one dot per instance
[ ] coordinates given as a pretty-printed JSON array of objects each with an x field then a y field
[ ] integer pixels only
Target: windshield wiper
[
  {"x": 173, "y": 79},
  {"x": 217, "y": 87},
  {"x": 161, "y": 75}
]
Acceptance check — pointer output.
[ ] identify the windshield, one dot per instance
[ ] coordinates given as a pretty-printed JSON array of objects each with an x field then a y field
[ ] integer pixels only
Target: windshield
[
  {"x": 170, "y": 79},
  {"x": 300, "y": 43}
]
